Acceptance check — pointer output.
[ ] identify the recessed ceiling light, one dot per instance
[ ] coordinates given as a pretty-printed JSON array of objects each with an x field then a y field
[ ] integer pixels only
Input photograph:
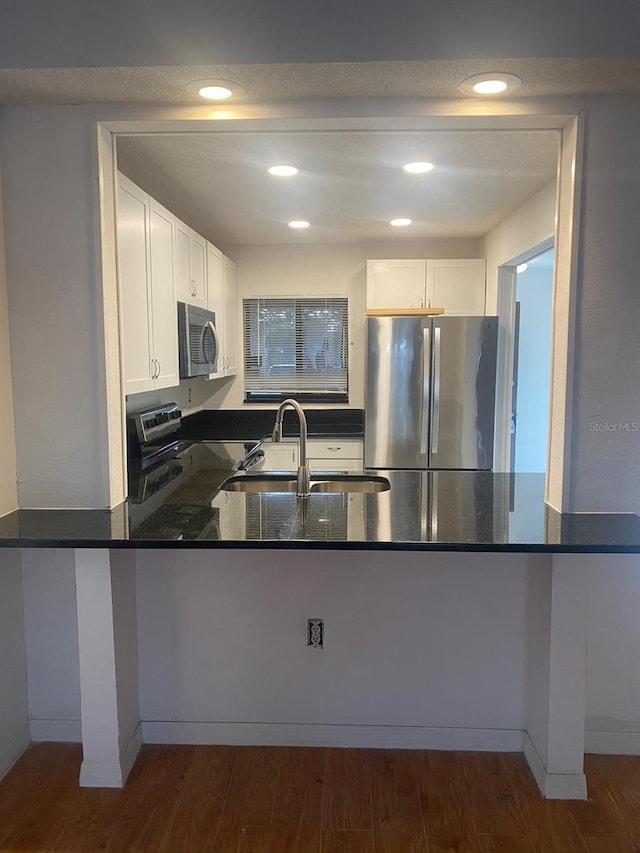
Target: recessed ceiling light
[
  {"x": 215, "y": 90},
  {"x": 522, "y": 268},
  {"x": 282, "y": 171},
  {"x": 418, "y": 168},
  {"x": 299, "y": 223},
  {"x": 495, "y": 83},
  {"x": 399, "y": 223}
]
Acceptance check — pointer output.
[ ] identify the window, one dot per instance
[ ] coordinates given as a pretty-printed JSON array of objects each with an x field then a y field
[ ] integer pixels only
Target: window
[{"x": 296, "y": 348}]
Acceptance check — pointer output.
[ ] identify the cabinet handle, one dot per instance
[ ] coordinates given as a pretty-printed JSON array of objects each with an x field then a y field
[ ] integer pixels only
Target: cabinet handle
[
  {"x": 159, "y": 368},
  {"x": 334, "y": 449}
]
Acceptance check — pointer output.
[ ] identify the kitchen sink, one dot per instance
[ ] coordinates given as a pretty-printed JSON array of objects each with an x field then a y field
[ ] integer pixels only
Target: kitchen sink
[
  {"x": 319, "y": 483},
  {"x": 260, "y": 483},
  {"x": 353, "y": 483}
]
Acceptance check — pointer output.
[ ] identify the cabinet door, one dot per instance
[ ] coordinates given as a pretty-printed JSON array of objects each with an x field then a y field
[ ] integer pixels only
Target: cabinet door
[
  {"x": 181, "y": 256},
  {"x": 135, "y": 295},
  {"x": 458, "y": 286},
  {"x": 164, "y": 315},
  {"x": 396, "y": 284},
  {"x": 230, "y": 345},
  {"x": 198, "y": 268},
  {"x": 282, "y": 456},
  {"x": 215, "y": 300}
]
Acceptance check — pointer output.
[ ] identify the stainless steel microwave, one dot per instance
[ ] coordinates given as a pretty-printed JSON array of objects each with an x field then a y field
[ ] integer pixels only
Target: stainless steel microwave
[{"x": 199, "y": 347}]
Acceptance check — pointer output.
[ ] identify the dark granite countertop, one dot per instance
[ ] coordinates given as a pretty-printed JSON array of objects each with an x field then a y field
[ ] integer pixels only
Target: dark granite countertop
[
  {"x": 439, "y": 510},
  {"x": 252, "y": 423}
]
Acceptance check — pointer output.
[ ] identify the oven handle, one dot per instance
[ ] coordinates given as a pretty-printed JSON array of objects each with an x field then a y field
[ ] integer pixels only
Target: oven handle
[{"x": 209, "y": 325}]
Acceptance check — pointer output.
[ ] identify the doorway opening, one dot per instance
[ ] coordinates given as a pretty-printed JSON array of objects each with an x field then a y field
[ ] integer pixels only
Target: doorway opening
[{"x": 531, "y": 362}]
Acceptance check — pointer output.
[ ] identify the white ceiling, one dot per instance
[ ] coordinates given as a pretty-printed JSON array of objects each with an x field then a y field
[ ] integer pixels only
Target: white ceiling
[{"x": 349, "y": 186}]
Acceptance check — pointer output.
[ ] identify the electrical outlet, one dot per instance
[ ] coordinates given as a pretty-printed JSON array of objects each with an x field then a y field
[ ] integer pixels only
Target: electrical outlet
[{"x": 315, "y": 633}]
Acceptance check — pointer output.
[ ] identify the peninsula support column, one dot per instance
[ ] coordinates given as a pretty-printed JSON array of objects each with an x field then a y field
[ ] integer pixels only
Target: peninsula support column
[
  {"x": 107, "y": 640},
  {"x": 556, "y": 678}
]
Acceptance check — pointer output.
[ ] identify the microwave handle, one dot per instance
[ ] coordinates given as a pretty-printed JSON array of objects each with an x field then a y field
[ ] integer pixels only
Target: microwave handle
[{"x": 209, "y": 325}]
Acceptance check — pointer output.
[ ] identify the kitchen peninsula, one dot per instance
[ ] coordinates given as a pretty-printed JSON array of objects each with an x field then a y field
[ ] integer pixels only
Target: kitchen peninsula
[{"x": 220, "y": 546}]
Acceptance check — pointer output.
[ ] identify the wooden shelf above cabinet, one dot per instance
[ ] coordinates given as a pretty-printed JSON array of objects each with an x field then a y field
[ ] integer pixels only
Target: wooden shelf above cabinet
[{"x": 403, "y": 312}]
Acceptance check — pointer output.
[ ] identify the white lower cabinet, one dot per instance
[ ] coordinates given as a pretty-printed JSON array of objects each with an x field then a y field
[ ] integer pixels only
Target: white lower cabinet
[
  {"x": 330, "y": 455},
  {"x": 280, "y": 456},
  {"x": 145, "y": 269},
  {"x": 341, "y": 455}
]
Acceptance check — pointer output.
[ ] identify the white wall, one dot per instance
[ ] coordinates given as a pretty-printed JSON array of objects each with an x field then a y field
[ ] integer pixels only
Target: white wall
[
  {"x": 51, "y": 632},
  {"x": 613, "y": 674},
  {"x": 14, "y": 724},
  {"x": 605, "y": 465},
  {"x": 8, "y": 492},
  {"x": 57, "y": 339},
  {"x": 434, "y": 640},
  {"x": 534, "y": 293},
  {"x": 156, "y": 32},
  {"x": 221, "y": 639},
  {"x": 528, "y": 226}
]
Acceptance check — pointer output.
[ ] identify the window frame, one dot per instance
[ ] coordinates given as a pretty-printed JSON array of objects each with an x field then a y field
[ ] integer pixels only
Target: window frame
[{"x": 312, "y": 396}]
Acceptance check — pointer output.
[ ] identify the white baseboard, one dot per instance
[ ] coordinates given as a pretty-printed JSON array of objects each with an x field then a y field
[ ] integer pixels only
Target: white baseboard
[
  {"x": 56, "y": 731},
  {"x": 612, "y": 743},
  {"x": 13, "y": 749},
  {"x": 294, "y": 734},
  {"x": 554, "y": 786},
  {"x": 102, "y": 774}
]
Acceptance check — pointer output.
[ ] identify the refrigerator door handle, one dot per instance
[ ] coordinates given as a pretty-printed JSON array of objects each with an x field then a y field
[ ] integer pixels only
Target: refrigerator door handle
[
  {"x": 435, "y": 411},
  {"x": 424, "y": 431}
]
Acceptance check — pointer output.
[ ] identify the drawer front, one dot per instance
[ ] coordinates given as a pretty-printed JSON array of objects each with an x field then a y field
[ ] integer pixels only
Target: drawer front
[
  {"x": 335, "y": 465},
  {"x": 338, "y": 448}
]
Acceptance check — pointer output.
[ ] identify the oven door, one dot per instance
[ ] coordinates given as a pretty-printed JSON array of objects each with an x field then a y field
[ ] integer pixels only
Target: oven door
[{"x": 198, "y": 341}]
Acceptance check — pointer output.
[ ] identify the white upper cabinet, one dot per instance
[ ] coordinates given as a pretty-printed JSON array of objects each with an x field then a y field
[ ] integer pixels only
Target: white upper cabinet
[
  {"x": 396, "y": 284},
  {"x": 458, "y": 286},
  {"x": 182, "y": 262},
  {"x": 163, "y": 300},
  {"x": 215, "y": 300},
  {"x": 230, "y": 333},
  {"x": 190, "y": 266},
  {"x": 135, "y": 286},
  {"x": 145, "y": 269},
  {"x": 198, "y": 264},
  {"x": 222, "y": 300}
]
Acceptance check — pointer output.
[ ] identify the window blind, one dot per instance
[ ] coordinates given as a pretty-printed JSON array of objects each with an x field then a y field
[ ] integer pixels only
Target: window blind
[{"x": 296, "y": 347}]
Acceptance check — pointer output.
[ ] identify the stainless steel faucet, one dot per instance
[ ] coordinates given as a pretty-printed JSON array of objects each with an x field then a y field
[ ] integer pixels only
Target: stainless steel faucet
[{"x": 303, "y": 463}]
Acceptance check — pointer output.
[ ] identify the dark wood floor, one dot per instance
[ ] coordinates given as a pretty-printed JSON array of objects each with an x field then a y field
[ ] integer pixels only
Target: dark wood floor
[{"x": 282, "y": 800}]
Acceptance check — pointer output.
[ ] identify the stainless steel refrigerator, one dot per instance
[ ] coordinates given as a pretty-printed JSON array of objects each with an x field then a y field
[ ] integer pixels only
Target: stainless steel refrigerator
[{"x": 430, "y": 392}]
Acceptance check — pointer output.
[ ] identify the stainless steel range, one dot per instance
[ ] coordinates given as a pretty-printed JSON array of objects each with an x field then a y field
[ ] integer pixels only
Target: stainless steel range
[{"x": 170, "y": 475}]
